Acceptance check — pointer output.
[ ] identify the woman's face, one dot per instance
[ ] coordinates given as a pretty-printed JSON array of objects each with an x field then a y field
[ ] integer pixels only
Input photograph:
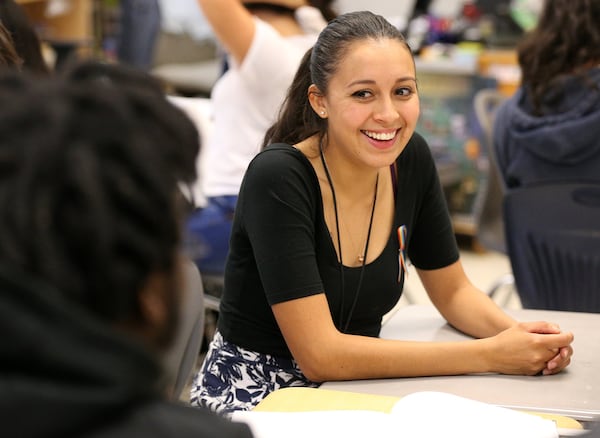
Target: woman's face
[{"x": 372, "y": 103}]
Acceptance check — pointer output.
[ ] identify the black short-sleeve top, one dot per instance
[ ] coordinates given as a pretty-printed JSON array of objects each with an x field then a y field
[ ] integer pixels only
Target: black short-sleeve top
[{"x": 281, "y": 249}]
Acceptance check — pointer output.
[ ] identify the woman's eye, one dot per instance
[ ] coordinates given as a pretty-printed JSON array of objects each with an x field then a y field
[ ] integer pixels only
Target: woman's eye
[
  {"x": 404, "y": 91},
  {"x": 362, "y": 94}
]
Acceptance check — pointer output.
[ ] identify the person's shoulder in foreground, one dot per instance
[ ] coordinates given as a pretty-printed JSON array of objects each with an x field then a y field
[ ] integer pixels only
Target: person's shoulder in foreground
[
  {"x": 164, "y": 419},
  {"x": 93, "y": 161}
]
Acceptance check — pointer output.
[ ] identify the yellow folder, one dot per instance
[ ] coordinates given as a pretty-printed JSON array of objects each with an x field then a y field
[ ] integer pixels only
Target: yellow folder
[{"x": 299, "y": 399}]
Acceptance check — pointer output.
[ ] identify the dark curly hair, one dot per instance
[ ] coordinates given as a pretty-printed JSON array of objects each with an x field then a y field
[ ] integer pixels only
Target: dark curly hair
[
  {"x": 565, "y": 41},
  {"x": 91, "y": 164}
]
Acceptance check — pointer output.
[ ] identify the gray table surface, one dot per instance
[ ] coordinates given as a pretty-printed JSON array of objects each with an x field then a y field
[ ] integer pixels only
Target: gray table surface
[{"x": 574, "y": 392}]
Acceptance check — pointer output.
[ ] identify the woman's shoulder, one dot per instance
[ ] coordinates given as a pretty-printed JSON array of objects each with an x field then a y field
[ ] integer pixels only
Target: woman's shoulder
[
  {"x": 280, "y": 169},
  {"x": 417, "y": 140},
  {"x": 153, "y": 417},
  {"x": 417, "y": 146},
  {"x": 280, "y": 151},
  {"x": 280, "y": 158},
  {"x": 417, "y": 160}
]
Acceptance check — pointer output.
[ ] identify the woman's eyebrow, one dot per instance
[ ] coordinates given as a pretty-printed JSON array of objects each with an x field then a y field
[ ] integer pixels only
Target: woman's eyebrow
[{"x": 371, "y": 81}]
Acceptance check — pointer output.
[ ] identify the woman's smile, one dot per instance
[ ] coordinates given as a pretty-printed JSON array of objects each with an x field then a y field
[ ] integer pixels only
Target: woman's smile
[{"x": 382, "y": 139}]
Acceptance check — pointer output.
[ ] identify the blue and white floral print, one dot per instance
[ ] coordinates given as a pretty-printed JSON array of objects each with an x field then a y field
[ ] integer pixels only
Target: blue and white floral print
[{"x": 233, "y": 378}]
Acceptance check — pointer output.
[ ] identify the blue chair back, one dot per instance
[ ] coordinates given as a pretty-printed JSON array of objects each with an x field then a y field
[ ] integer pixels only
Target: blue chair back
[{"x": 553, "y": 241}]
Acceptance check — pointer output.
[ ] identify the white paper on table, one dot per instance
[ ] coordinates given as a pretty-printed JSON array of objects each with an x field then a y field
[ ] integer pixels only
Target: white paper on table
[
  {"x": 425, "y": 414},
  {"x": 317, "y": 424},
  {"x": 436, "y": 414}
]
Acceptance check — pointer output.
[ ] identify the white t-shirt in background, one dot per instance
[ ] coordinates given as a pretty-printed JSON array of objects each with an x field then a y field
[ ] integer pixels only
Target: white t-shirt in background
[{"x": 247, "y": 99}]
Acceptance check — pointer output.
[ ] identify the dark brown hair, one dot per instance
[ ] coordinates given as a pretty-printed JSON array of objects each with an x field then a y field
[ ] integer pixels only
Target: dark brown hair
[
  {"x": 26, "y": 41},
  {"x": 565, "y": 41},
  {"x": 8, "y": 53}
]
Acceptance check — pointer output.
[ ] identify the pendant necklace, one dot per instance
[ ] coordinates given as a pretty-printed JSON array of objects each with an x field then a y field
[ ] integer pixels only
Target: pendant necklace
[{"x": 362, "y": 259}]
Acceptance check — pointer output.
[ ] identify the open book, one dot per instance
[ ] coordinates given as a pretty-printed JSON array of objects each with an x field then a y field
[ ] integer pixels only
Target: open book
[{"x": 421, "y": 414}]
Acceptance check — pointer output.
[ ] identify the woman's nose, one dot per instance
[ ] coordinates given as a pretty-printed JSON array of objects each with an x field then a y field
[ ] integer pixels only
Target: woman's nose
[{"x": 386, "y": 110}]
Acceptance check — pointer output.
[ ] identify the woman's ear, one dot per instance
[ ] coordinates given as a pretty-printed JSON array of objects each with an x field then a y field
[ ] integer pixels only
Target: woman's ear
[{"x": 317, "y": 101}]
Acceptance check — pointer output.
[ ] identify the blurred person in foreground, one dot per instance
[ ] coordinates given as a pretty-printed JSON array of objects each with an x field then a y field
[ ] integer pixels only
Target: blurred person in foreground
[{"x": 90, "y": 269}]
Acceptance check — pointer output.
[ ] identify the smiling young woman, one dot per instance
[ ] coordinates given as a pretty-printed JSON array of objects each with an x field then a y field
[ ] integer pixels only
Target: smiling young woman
[{"x": 327, "y": 215}]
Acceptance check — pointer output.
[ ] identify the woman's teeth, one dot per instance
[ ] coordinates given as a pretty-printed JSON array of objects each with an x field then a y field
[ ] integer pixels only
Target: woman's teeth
[{"x": 380, "y": 135}]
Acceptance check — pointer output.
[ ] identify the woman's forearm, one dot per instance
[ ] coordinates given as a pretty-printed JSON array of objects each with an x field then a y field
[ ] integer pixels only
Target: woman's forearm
[
  {"x": 524, "y": 349},
  {"x": 464, "y": 306},
  {"x": 476, "y": 314},
  {"x": 357, "y": 357}
]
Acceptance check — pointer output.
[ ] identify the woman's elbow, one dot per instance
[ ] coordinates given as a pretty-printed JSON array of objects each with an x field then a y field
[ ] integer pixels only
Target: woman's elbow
[{"x": 321, "y": 366}]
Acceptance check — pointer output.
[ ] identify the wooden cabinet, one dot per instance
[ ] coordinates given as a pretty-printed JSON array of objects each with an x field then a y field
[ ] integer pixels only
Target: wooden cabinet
[{"x": 73, "y": 26}]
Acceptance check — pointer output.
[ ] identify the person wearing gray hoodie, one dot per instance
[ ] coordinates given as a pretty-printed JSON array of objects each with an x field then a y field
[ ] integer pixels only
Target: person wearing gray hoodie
[{"x": 550, "y": 129}]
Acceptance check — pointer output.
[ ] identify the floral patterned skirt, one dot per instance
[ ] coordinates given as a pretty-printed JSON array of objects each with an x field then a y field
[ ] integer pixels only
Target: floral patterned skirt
[{"x": 233, "y": 378}]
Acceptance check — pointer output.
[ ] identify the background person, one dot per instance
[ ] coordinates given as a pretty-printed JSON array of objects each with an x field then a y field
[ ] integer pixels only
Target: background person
[
  {"x": 327, "y": 216},
  {"x": 264, "y": 42},
  {"x": 549, "y": 130},
  {"x": 90, "y": 269},
  {"x": 140, "y": 25}
]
